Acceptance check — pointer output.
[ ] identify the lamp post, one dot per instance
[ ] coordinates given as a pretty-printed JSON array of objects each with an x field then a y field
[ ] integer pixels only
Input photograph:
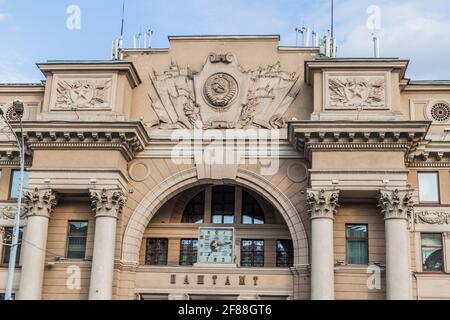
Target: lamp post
[{"x": 18, "y": 110}]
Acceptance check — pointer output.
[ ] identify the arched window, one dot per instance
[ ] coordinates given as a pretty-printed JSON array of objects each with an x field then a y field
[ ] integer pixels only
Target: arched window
[
  {"x": 251, "y": 210},
  {"x": 194, "y": 212}
]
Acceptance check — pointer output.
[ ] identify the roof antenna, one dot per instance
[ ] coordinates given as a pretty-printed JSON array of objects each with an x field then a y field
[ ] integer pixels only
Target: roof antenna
[
  {"x": 123, "y": 19},
  {"x": 332, "y": 19},
  {"x": 117, "y": 45}
]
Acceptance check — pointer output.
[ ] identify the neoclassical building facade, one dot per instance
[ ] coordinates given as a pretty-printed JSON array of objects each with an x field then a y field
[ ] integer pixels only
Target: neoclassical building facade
[{"x": 228, "y": 168}]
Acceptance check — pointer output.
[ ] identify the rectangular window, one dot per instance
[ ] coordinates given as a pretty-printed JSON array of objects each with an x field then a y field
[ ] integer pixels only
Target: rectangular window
[
  {"x": 428, "y": 187},
  {"x": 252, "y": 253},
  {"x": 285, "y": 254},
  {"x": 76, "y": 239},
  {"x": 157, "y": 250},
  {"x": 357, "y": 244},
  {"x": 2, "y": 296},
  {"x": 7, "y": 241},
  {"x": 432, "y": 253},
  {"x": 15, "y": 182},
  {"x": 188, "y": 252},
  {"x": 223, "y": 205}
]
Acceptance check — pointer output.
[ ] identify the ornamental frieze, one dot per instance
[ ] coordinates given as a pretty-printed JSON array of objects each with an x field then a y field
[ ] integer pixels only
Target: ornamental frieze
[
  {"x": 8, "y": 212},
  {"x": 83, "y": 93},
  {"x": 432, "y": 217},
  {"x": 356, "y": 91},
  {"x": 223, "y": 95}
]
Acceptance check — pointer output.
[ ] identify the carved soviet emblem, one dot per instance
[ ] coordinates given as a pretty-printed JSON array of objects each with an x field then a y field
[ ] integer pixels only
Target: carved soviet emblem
[
  {"x": 82, "y": 93},
  {"x": 220, "y": 90}
]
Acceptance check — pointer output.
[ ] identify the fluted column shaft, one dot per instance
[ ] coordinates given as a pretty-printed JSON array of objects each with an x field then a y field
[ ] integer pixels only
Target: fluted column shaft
[
  {"x": 39, "y": 204},
  {"x": 322, "y": 206},
  {"x": 397, "y": 207},
  {"x": 107, "y": 206}
]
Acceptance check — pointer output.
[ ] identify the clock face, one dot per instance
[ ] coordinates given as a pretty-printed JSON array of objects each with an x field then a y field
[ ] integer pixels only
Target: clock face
[{"x": 216, "y": 245}]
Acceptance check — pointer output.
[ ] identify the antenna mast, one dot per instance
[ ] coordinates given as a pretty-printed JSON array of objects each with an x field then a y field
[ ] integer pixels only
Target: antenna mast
[
  {"x": 332, "y": 18},
  {"x": 123, "y": 19}
]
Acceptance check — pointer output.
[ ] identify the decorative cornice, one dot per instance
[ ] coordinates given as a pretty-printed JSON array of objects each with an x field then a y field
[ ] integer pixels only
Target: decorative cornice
[
  {"x": 322, "y": 204},
  {"x": 396, "y": 204},
  {"x": 40, "y": 202},
  {"x": 10, "y": 158},
  {"x": 107, "y": 203},
  {"x": 129, "y": 138},
  {"x": 118, "y": 66},
  {"x": 308, "y": 136}
]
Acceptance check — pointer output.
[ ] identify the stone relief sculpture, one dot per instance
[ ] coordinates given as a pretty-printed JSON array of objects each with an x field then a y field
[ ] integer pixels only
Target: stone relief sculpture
[
  {"x": 9, "y": 212},
  {"x": 82, "y": 94},
  {"x": 271, "y": 92},
  {"x": 223, "y": 95},
  {"x": 357, "y": 92},
  {"x": 175, "y": 105},
  {"x": 430, "y": 217}
]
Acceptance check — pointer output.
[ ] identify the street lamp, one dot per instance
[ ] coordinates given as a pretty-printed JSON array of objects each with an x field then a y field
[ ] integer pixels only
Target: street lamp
[{"x": 18, "y": 110}]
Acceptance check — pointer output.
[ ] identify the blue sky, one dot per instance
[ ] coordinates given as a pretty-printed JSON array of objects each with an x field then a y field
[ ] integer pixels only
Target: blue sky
[{"x": 35, "y": 31}]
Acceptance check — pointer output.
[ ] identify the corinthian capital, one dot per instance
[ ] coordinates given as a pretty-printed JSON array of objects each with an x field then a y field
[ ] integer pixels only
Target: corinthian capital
[
  {"x": 107, "y": 203},
  {"x": 396, "y": 204},
  {"x": 322, "y": 204},
  {"x": 40, "y": 202}
]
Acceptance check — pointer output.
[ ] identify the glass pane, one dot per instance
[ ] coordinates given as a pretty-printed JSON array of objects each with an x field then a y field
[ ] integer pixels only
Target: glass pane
[
  {"x": 78, "y": 228},
  {"x": 194, "y": 211},
  {"x": 432, "y": 259},
  {"x": 247, "y": 219},
  {"x": 76, "y": 248},
  {"x": 7, "y": 247},
  {"x": 357, "y": 252},
  {"x": 434, "y": 240},
  {"x": 217, "y": 219},
  {"x": 357, "y": 231},
  {"x": 251, "y": 211},
  {"x": 428, "y": 187},
  {"x": 228, "y": 219},
  {"x": 15, "y": 181},
  {"x": 157, "y": 251}
]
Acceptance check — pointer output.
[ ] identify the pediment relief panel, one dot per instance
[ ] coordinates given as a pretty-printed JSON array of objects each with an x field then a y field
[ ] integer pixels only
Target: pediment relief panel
[
  {"x": 223, "y": 95},
  {"x": 89, "y": 92},
  {"x": 357, "y": 91}
]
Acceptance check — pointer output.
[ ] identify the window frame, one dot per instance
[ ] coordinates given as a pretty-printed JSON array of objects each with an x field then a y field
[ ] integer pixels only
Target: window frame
[
  {"x": 247, "y": 195},
  {"x": 192, "y": 202},
  {"x": 253, "y": 253},
  {"x": 223, "y": 215},
  {"x": 5, "y": 246},
  {"x": 68, "y": 236},
  {"x": 348, "y": 239},
  {"x": 158, "y": 254},
  {"x": 192, "y": 253},
  {"x": 290, "y": 254},
  {"x": 11, "y": 178},
  {"x": 442, "y": 252},
  {"x": 437, "y": 185}
]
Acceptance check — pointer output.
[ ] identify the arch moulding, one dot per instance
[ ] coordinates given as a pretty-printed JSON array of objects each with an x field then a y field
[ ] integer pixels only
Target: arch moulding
[{"x": 187, "y": 179}]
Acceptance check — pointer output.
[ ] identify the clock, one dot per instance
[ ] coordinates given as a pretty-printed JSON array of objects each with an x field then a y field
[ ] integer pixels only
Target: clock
[{"x": 216, "y": 246}]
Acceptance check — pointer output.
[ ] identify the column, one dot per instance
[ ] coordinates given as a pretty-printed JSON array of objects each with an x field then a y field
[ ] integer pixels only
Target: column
[
  {"x": 107, "y": 205},
  {"x": 397, "y": 208},
  {"x": 322, "y": 206},
  {"x": 39, "y": 205}
]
